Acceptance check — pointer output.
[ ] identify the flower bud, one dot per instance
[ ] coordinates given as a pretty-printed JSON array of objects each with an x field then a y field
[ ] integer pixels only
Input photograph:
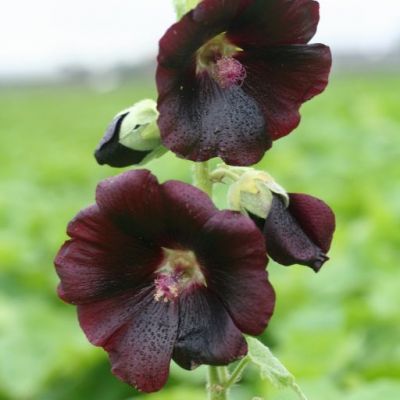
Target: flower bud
[
  {"x": 253, "y": 192},
  {"x": 132, "y": 137},
  {"x": 300, "y": 233}
]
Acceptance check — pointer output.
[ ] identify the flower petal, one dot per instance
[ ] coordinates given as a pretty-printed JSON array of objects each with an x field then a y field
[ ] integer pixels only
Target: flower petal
[
  {"x": 232, "y": 252},
  {"x": 140, "y": 351},
  {"x": 206, "y": 332},
  {"x": 282, "y": 78},
  {"x": 286, "y": 241},
  {"x": 182, "y": 39},
  {"x": 275, "y": 22},
  {"x": 212, "y": 122},
  {"x": 100, "y": 260},
  {"x": 101, "y": 319},
  {"x": 315, "y": 218},
  {"x": 133, "y": 200},
  {"x": 187, "y": 209}
]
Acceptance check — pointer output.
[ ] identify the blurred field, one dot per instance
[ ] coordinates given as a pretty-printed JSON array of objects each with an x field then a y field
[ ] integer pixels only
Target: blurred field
[{"x": 338, "y": 331}]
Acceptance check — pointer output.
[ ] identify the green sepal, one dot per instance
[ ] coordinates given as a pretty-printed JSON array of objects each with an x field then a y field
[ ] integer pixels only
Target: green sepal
[
  {"x": 156, "y": 153},
  {"x": 252, "y": 192},
  {"x": 139, "y": 130}
]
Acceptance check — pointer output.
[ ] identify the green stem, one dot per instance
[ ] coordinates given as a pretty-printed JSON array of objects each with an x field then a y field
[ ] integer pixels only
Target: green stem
[
  {"x": 217, "y": 376},
  {"x": 298, "y": 391},
  {"x": 224, "y": 375},
  {"x": 237, "y": 372},
  {"x": 215, "y": 388},
  {"x": 201, "y": 177}
]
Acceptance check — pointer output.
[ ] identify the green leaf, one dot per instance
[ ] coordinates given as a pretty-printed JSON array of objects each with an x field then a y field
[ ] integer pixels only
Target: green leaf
[{"x": 271, "y": 368}]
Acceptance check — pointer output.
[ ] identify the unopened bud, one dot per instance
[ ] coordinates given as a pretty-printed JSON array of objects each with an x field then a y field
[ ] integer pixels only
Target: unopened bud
[
  {"x": 132, "y": 137},
  {"x": 253, "y": 192}
]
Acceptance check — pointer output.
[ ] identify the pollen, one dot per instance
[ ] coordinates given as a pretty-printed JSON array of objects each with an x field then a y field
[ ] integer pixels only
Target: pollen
[
  {"x": 228, "y": 71},
  {"x": 166, "y": 287},
  {"x": 178, "y": 272}
]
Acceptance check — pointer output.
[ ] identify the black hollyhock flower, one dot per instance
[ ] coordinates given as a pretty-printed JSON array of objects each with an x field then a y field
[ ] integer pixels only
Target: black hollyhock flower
[
  {"x": 157, "y": 272},
  {"x": 232, "y": 76},
  {"x": 301, "y": 233}
]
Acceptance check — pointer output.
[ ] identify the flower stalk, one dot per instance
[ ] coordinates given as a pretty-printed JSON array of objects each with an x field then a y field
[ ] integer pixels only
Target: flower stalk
[
  {"x": 237, "y": 372},
  {"x": 215, "y": 388},
  {"x": 201, "y": 177},
  {"x": 220, "y": 380}
]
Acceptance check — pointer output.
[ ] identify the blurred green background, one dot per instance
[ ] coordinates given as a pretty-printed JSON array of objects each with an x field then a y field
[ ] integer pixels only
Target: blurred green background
[{"x": 338, "y": 331}]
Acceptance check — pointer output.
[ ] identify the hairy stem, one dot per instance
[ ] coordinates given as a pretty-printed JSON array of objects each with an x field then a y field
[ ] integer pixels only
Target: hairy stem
[
  {"x": 224, "y": 375},
  {"x": 237, "y": 372},
  {"x": 201, "y": 177},
  {"x": 215, "y": 388},
  {"x": 216, "y": 376}
]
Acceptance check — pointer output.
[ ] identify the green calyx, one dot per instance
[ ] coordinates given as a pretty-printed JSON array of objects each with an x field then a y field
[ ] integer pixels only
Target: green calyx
[
  {"x": 139, "y": 130},
  {"x": 251, "y": 191}
]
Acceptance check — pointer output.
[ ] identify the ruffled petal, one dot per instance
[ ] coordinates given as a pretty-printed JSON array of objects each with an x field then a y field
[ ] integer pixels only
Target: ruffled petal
[
  {"x": 206, "y": 332},
  {"x": 315, "y": 218},
  {"x": 141, "y": 350},
  {"x": 265, "y": 23},
  {"x": 133, "y": 201},
  {"x": 200, "y": 120},
  {"x": 101, "y": 260},
  {"x": 282, "y": 78},
  {"x": 232, "y": 252},
  {"x": 286, "y": 241}
]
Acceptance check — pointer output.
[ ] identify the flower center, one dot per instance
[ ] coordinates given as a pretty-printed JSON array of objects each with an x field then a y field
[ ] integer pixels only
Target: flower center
[
  {"x": 179, "y": 271},
  {"x": 217, "y": 58}
]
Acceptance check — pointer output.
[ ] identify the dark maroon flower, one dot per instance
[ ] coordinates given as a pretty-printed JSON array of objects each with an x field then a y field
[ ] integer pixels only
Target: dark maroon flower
[
  {"x": 157, "y": 272},
  {"x": 301, "y": 233},
  {"x": 232, "y": 76},
  {"x": 111, "y": 152}
]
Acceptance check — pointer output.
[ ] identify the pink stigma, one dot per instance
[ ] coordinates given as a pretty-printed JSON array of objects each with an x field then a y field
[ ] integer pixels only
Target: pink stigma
[
  {"x": 228, "y": 72},
  {"x": 166, "y": 287}
]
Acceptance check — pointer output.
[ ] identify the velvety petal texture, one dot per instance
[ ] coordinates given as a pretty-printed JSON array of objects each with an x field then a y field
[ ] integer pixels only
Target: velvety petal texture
[
  {"x": 265, "y": 23},
  {"x": 282, "y": 78},
  {"x": 100, "y": 260},
  {"x": 232, "y": 76},
  {"x": 207, "y": 334},
  {"x": 232, "y": 269},
  {"x": 140, "y": 352},
  {"x": 213, "y": 121},
  {"x": 158, "y": 272},
  {"x": 301, "y": 233},
  {"x": 315, "y": 218}
]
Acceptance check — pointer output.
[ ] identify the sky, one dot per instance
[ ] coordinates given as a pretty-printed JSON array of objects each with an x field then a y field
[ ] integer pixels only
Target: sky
[{"x": 38, "y": 37}]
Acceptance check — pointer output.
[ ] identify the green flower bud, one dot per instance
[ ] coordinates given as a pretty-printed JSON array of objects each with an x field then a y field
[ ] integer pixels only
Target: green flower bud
[
  {"x": 252, "y": 193},
  {"x": 132, "y": 137}
]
